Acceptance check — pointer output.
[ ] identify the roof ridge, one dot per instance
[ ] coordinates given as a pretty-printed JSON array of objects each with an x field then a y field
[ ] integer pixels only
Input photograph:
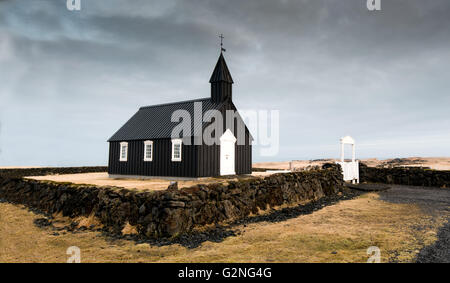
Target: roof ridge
[{"x": 172, "y": 103}]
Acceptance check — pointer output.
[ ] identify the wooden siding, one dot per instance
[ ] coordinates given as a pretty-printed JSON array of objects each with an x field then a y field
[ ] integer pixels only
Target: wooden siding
[
  {"x": 197, "y": 160},
  {"x": 243, "y": 162},
  {"x": 209, "y": 160},
  {"x": 221, "y": 91},
  {"x": 161, "y": 165}
]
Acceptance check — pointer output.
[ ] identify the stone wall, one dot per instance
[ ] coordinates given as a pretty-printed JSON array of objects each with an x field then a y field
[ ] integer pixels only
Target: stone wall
[
  {"x": 42, "y": 171},
  {"x": 413, "y": 176},
  {"x": 173, "y": 211}
]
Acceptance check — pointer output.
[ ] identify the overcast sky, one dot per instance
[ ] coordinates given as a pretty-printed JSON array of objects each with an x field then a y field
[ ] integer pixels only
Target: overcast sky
[{"x": 70, "y": 79}]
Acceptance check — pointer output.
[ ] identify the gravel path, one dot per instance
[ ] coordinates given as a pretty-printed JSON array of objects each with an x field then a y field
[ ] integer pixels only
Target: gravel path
[
  {"x": 434, "y": 201},
  {"x": 371, "y": 187},
  {"x": 439, "y": 252}
]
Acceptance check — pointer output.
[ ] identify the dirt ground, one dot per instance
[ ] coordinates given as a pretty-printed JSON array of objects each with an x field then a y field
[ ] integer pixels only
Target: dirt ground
[
  {"x": 102, "y": 179},
  {"x": 400, "y": 222},
  {"x": 437, "y": 163}
]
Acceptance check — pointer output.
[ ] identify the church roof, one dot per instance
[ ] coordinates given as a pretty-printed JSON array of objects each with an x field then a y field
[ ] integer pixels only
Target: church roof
[
  {"x": 154, "y": 122},
  {"x": 221, "y": 72}
]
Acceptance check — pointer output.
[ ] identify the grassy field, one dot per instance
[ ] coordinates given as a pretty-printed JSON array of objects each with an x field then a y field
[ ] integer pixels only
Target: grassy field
[{"x": 336, "y": 233}]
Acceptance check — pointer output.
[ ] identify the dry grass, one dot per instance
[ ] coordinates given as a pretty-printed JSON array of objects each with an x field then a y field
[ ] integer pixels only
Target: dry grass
[
  {"x": 337, "y": 233},
  {"x": 129, "y": 229},
  {"x": 82, "y": 221}
]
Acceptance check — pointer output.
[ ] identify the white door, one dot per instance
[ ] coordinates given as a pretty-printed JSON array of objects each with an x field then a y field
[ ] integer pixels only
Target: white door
[{"x": 227, "y": 142}]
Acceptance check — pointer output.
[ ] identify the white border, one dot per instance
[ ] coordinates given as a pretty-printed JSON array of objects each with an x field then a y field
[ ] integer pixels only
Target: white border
[
  {"x": 174, "y": 142},
  {"x": 122, "y": 144},
  {"x": 145, "y": 150}
]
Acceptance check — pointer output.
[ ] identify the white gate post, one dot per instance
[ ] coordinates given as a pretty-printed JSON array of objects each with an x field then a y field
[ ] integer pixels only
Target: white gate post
[{"x": 350, "y": 170}]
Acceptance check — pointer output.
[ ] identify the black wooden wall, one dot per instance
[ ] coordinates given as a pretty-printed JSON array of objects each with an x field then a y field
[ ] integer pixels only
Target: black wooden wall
[
  {"x": 196, "y": 161},
  {"x": 161, "y": 165},
  {"x": 243, "y": 162}
]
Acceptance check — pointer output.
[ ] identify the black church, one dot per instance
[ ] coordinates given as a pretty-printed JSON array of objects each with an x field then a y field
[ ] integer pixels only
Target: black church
[{"x": 146, "y": 146}]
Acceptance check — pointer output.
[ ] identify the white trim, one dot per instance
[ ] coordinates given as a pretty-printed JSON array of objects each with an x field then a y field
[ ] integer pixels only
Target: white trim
[
  {"x": 180, "y": 143},
  {"x": 228, "y": 136},
  {"x": 347, "y": 140},
  {"x": 121, "y": 155},
  {"x": 350, "y": 170},
  {"x": 148, "y": 143}
]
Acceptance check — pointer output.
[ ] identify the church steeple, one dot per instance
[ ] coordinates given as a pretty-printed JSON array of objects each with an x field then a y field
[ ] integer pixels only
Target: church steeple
[{"x": 221, "y": 82}]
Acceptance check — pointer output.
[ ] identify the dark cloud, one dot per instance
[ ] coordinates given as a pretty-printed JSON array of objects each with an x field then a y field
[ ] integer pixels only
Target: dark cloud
[{"x": 331, "y": 67}]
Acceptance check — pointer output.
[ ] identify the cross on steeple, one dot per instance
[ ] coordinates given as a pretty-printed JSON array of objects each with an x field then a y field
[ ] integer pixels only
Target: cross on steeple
[{"x": 221, "y": 43}]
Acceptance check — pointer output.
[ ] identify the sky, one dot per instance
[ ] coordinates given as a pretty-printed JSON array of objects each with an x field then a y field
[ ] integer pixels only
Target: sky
[{"x": 70, "y": 79}]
